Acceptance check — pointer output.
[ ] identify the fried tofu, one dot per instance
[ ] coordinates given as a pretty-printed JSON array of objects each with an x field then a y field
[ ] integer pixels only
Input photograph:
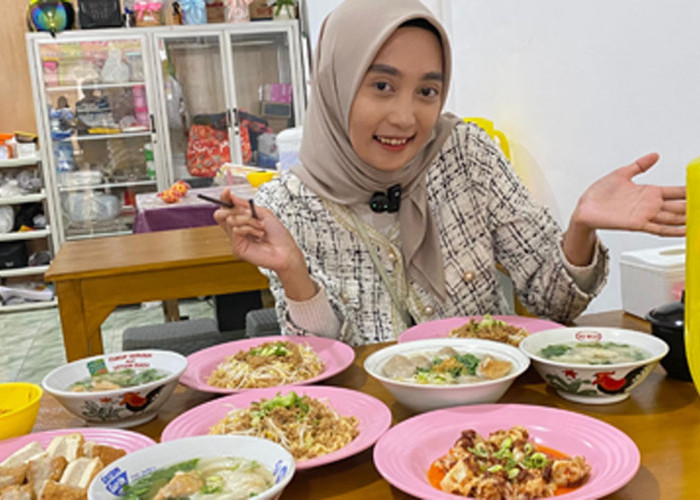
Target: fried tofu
[
  {"x": 45, "y": 469},
  {"x": 15, "y": 492},
  {"x": 107, "y": 454},
  {"x": 28, "y": 452},
  {"x": 67, "y": 445},
  {"x": 62, "y": 472},
  {"x": 10, "y": 476},
  {"x": 57, "y": 491}
]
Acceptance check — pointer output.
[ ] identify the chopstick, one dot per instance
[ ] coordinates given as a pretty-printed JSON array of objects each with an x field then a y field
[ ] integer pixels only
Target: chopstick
[{"x": 227, "y": 204}]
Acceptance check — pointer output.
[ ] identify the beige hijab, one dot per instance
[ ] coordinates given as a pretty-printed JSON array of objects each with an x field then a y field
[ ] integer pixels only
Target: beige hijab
[{"x": 350, "y": 38}]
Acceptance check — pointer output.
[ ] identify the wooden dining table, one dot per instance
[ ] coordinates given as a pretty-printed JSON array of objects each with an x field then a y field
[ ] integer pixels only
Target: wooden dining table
[
  {"x": 94, "y": 276},
  {"x": 662, "y": 416}
]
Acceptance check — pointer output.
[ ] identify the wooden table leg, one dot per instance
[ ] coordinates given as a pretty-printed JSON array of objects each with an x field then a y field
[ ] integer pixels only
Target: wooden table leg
[
  {"x": 73, "y": 324},
  {"x": 171, "y": 310}
]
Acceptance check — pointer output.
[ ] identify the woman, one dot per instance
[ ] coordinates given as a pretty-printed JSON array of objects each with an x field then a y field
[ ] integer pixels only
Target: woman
[{"x": 398, "y": 214}]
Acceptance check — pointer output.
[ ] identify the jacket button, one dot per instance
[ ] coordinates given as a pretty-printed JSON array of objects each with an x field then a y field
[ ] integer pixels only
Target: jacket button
[
  {"x": 392, "y": 256},
  {"x": 428, "y": 311},
  {"x": 344, "y": 297},
  {"x": 469, "y": 276}
]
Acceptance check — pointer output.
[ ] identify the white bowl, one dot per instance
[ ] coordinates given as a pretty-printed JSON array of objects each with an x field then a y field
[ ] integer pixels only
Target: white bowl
[
  {"x": 108, "y": 483},
  {"x": 593, "y": 384},
  {"x": 125, "y": 407},
  {"x": 424, "y": 397}
]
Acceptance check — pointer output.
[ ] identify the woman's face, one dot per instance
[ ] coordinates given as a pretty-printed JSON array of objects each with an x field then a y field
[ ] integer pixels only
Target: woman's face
[{"x": 399, "y": 100}]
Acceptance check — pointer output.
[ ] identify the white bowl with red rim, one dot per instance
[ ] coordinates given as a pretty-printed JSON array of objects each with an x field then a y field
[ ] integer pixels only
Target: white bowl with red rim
[
  {"x": 124, "y": 407},
  {"x": 593, "y": 383}
]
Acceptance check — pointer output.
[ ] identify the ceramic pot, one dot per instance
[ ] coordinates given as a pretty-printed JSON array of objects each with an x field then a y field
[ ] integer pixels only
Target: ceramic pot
[{"x": 667, "y": 323}]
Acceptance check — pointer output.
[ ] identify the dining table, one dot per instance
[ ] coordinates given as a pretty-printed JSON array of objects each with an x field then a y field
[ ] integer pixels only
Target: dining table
[{"x": 662, "y": 417}]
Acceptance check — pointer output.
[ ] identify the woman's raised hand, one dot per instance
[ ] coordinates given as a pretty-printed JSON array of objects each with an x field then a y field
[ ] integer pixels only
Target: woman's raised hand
[
  {"x": 264, "y": 241},
  {"x": 616, "y": 202}
]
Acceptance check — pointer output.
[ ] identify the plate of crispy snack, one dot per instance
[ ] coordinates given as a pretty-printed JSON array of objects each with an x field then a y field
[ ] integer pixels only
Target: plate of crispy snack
[{"x": 59, "y": 465}]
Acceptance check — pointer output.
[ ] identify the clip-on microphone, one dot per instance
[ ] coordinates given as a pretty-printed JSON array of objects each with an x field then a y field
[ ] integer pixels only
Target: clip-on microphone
[{"x": 386, "y": 202}]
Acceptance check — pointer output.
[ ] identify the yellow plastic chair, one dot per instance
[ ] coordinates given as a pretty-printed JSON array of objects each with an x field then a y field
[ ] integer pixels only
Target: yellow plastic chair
[
  {"x": 494, "y": 133},
  {"x": 501, "y": 139}
]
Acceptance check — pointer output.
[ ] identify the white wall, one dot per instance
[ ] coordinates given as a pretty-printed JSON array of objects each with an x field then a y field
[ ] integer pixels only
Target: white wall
[
  {"x": 582, "y": 87},
  {"x": 579, "y": 87}
]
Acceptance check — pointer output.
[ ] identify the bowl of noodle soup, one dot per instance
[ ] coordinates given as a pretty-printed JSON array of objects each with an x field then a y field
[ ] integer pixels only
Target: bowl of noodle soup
[
  {"x": 593, "y": 365},
  {"x": 318, "y": 424},
  {"x": 261, "y": 362},
  {"x": 202, "y": 467}
]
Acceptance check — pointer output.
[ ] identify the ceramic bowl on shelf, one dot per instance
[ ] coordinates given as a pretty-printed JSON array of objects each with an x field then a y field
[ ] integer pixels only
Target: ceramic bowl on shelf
[
  {"x": 271, "y": 456},
  {"x": 428, "y": 396},
  {"x": 601, "y": 379},
  {"x": 19, "y": 406},
  {"x": 121, "y": 389}
]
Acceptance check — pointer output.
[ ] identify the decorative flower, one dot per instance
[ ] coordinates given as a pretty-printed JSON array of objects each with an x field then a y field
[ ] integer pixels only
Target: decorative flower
[{"x": 570, "y": 373}]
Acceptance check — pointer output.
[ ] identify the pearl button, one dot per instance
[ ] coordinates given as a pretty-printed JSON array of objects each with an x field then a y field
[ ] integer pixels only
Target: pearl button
[
  {"x": 428, "y": 311},
  {"x": 469, "y": 276}
]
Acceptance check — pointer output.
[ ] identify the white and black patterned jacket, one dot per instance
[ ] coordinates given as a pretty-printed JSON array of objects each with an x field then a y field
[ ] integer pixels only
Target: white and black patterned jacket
[{"x": 484, "y": 216}]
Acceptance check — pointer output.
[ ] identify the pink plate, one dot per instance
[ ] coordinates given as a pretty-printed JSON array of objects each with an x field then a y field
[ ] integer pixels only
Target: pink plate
[
  {"x": 126, "y": 440},
  {"x": 373, "y": 417},
  {"x": 404, "y": 454},
  {"x": 441, "y": 327},
  {"x": 336, "y": 356}
]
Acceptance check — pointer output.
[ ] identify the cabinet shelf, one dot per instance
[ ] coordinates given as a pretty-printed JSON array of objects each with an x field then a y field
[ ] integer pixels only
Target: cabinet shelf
[
  {"x": 23, "y": 271},
  {"x": 20, "y": 162},
  {"x": 25, "y": 235},
  {"x": 94, "y": 86},
  {"x": 102, "y": 137},
  {"x": 110, "y": 185},
  {"x": 28, "y": 306},
  {"x": 23, "y": 198},
  {"x": 97, "y": 235}
]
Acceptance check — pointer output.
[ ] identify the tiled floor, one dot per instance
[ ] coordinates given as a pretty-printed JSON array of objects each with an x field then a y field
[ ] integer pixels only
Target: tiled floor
[{"x": 31, "y": 343}]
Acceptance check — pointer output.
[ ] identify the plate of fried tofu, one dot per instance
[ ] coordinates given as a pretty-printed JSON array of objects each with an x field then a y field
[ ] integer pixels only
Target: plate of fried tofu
[{"x": 60, "y": 464}]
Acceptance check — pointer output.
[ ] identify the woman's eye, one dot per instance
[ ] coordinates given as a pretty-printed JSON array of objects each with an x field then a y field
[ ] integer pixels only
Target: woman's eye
[
  {"x": 428, "y": 92},
  {"x": 382, "y": 86}
]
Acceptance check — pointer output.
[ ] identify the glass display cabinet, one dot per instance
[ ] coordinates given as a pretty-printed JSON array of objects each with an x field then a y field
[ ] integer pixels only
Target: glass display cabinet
[
  {"x": 127, "y": 111},
  {"x": 93, "y": 99}
]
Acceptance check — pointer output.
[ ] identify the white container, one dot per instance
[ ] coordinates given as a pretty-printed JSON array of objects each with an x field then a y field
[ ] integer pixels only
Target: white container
[
  {"x": 288, "y": 145},
  {"x": 650, "y": 278}
]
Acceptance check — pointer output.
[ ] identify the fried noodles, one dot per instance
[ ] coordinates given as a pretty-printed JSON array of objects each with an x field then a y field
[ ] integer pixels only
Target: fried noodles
[
  {"x": 305, "y": 426},
  {"x": 267, "y": 365},
  {"x": 491, "y": 329}
]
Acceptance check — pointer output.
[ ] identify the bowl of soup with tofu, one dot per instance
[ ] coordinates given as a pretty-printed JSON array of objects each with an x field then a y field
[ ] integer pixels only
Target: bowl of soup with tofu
[
  {"x": 201, "y": 467},
  {"x": 120, "y": 389},
  {"x": 436, "y": 373},
  {"x": 593, "y": 365}
]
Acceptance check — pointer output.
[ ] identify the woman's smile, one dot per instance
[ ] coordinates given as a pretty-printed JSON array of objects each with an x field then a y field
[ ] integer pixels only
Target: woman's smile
[{"x": 391, "y": 143}]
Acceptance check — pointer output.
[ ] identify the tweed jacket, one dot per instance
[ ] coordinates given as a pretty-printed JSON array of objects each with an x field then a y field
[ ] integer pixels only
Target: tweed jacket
[{"x": 484, "y": 216}]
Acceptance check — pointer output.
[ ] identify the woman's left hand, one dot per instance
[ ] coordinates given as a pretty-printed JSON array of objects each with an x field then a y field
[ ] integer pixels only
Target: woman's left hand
[{"x": 616, "y": 202}]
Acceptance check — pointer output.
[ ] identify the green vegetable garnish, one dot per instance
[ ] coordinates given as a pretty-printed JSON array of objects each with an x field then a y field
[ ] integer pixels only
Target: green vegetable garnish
[
  {"x": 213, "y": 484},
  {"x": 148, "y": 486},
  {"x": 554, "y": 350},
  {"x": 276, "y": 349}
]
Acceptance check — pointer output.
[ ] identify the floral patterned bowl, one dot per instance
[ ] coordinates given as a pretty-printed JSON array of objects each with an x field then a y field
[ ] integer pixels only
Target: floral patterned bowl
[
  {"x": 601, "y": 383},
  {"x": 122, "y": 406}
]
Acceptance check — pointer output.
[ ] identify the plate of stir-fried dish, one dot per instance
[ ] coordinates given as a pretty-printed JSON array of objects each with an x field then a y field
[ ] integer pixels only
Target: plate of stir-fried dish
[
  {"x": 508, "y": 329},
  {"x": 261, "y": 362},
  {"x": 316, "y": 424},
  {"x": 504, "y": 452}
]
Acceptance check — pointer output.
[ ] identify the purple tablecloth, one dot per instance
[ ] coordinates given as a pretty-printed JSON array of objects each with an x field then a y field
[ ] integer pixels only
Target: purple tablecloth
[{"x": 153, "y": 214}]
